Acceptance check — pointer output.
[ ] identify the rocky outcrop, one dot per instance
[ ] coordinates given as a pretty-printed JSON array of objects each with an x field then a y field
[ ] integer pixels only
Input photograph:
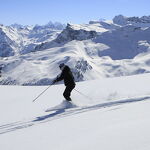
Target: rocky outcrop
[{"x": 73, "y": 33}]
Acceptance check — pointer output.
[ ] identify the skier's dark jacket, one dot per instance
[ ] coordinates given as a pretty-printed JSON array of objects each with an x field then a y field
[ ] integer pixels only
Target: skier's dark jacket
[{"x": 67, "y": 76}]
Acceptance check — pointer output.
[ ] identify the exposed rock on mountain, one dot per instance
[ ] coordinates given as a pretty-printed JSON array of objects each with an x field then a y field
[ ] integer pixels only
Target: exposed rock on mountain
[{"x": 72, "y": 33}]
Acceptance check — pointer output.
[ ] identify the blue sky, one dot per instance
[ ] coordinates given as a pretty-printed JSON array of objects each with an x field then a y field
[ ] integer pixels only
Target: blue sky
[{"x": 31, "y": 12}]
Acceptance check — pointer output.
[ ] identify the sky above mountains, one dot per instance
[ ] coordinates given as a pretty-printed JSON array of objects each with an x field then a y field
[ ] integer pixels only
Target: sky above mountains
[{"x": 31, "y": 12}]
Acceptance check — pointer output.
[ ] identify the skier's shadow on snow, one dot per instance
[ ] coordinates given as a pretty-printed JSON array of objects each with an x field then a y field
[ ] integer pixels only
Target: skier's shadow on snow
[{"x": 57, "y": 112}]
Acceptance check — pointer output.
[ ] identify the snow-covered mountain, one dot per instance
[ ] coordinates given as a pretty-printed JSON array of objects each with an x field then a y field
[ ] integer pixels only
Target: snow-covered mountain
[{"x": 96, "y": 50}]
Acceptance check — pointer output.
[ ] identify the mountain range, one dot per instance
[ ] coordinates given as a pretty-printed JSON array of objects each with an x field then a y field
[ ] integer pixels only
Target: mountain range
[{"x": 30, "y": 55}]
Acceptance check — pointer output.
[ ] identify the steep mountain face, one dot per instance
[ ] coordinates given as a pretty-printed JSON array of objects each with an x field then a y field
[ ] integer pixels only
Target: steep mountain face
[
  {"x": 96, "y": 50},
  {"x": 6, "y": 41}
]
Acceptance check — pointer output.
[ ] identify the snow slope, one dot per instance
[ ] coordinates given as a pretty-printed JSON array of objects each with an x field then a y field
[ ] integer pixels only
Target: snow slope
[{"x": 114, "y": 116}]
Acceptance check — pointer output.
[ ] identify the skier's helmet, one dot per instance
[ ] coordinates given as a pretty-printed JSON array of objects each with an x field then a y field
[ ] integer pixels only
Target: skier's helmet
[{"x": 61, "y": 65}]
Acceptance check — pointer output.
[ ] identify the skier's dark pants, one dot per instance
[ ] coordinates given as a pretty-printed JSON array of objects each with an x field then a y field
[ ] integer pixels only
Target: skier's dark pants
[{"x": 67, "y": 92}]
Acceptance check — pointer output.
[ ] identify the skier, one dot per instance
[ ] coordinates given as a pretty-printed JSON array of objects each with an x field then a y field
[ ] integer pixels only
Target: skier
[{"x": 68, "y": 78}]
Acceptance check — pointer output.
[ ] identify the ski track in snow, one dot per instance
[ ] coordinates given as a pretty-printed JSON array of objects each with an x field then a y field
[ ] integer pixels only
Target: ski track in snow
[{"x": 65, "y": 112}]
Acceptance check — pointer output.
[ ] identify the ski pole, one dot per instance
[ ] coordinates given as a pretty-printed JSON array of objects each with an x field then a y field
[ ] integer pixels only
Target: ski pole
[
  {"x": 42, "y": 93},
  {"x": 83, "y": 94}
]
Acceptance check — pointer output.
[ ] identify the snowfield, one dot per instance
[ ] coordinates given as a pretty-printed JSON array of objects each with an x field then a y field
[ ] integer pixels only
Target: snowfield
[{"x": 112, "y": 114}]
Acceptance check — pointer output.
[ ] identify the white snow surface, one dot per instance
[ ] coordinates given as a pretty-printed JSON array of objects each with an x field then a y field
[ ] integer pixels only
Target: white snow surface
[{"x": 112, "y": 114}]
